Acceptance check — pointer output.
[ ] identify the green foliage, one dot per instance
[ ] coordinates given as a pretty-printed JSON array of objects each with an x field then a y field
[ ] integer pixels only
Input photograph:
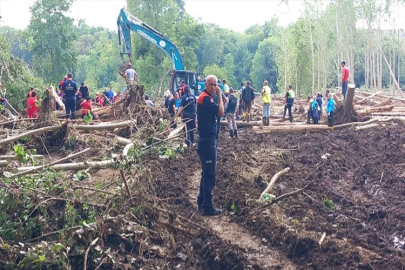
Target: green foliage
[
  {"x": 81, "y": 175},
  {"x": 24, "y": 156},
  {"x": 268, "y": 197},
  {"x": 328, "y": 203},
  {"x": 52, "y": 39},
  {"x": 216, "y": 70}
]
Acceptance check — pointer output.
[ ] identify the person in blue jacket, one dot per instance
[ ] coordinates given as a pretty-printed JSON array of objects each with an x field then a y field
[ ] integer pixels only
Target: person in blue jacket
[
  {"x": 69, "y": 88},
  {"x": 187, "y": 107},
  {"x": 207, "y": 112},
  {"x": 330, "y": 107},
  {"x": 315, "y": 111}
]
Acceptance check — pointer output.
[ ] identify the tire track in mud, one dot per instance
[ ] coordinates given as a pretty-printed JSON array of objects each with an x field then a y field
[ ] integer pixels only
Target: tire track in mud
[{"x": 255, "y": 251}]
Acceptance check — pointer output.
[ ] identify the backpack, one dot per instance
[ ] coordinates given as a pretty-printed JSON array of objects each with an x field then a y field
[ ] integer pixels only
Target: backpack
[{"x": 248, "y": 94}]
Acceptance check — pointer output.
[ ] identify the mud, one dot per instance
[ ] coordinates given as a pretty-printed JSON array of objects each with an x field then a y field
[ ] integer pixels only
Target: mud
[{"x": 362, "y": 174}]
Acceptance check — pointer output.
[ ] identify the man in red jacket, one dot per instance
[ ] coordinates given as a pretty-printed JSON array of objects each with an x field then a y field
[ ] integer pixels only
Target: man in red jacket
[
  {"x": 345, "y": 78},
  {"x": 32, "y": 109}
]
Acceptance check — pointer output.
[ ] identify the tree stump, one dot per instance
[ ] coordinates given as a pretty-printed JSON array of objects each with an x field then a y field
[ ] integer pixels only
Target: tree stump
[{"x": 349, "y": 112}]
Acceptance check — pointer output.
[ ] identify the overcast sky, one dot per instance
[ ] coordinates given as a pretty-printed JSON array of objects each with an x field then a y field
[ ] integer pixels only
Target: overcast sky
[{"x": 234, "y": 14}]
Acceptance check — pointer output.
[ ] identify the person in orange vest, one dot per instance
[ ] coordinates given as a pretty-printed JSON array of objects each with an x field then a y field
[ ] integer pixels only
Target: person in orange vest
[{"x": 32, "y": 108}]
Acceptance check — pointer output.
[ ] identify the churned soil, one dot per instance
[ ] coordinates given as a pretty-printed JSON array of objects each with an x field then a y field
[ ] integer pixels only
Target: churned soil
[{"x": 356, "y": 199}]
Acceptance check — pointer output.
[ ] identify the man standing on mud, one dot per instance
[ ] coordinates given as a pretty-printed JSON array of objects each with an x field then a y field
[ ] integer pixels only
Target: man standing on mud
[
  {"x": 207, "y": 112},
  {"x": 70, "y": 90},
  {"x": 345, "y": 78}
]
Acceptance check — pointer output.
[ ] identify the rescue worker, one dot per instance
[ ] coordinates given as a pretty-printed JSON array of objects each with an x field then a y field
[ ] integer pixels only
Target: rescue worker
[
  {"x": 230, "y": 109},
  {"x": 3, "y": 100},
  {"x": 248, "y": 97},
  {"x": 70, "y": 90},
  {"x": 226, "y": 88},
  {"x": 309, "y": 114},
  {"x": 181, "y": 88},
  {"x": 32, "y": 108},
  {"x": 330, "y": 107},
  {"x": 289, "y": 100},
  {"x": 87, "y": 109},
  {"x": 207, "y": 112},
  {"x": 315, "y": 110},
  {"x": 30, "y": 92},
  {"x": 105, "y": 96},
  {"x": 345, "y": 78},
  {"x": 172, "y": 109},
  {"x": 148, "y": 101},
  {"x": 266, "y": 95},
  {"x": 110, "y": 96},
  {"x": 84, "y": 90},
  {"x": 187, "y": 107},
  {"x": 320, "y": 104},
  {"x": 240, "y": 108},
  {"x": 130, "y": 74}
]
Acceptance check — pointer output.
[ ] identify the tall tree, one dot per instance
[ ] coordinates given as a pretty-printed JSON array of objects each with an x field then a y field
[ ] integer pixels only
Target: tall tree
[{"x": 52, "y": 38}]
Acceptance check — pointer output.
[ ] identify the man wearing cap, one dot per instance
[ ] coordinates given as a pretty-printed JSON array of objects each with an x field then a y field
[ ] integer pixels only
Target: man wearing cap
[
  {"x": 130, "y": 74},
  {"x": 345, "y": 78},
  {"x": 84, "y": 90},
  {"x": 207, "y": 112},
  {"x": 69, "y": 88}
]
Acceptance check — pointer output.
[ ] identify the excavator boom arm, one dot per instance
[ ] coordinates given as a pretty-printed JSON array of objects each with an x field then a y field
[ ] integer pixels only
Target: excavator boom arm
[{"x": 126, "y": 22}]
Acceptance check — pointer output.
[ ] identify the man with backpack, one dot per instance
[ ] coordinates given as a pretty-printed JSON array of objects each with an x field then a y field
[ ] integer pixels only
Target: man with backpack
[
  {"x": 248, "y": 97},
  {"x": 289, "y": 100}
]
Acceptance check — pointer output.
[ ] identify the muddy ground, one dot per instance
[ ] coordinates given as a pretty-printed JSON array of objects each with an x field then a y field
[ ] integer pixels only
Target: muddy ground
[{"x": 362, "y": 174}]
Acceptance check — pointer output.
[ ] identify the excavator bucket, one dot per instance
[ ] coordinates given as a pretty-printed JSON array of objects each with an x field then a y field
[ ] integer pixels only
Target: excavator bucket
[{"x": 124, "y": 66}]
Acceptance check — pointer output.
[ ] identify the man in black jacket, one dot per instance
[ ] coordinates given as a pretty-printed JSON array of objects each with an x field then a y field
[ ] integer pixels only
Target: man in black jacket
[{"x": 248, "y": 97}]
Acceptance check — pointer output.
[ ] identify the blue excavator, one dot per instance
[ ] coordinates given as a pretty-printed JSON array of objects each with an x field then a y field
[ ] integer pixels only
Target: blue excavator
[{"x": 126, "y": 22}]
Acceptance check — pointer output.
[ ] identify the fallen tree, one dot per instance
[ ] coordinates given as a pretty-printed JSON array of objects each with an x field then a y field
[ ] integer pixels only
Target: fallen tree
[
  {"x": 376, "y": 109},
  {"x": 292, "y": 129},
  {"x": 30, "y": 133}
]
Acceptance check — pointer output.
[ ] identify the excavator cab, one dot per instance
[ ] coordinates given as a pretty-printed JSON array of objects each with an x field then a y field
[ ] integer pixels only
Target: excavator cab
[{"x": 177, "y": 76}]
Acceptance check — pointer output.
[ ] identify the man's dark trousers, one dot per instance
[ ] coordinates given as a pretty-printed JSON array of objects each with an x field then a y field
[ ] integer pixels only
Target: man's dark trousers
[
  {"x": 207, "y": 151},
  {"x": 344, "y": 89},
  {"x": 288, "y": 107},
  {"x": 330, "y": 119},
  {"x": 70, "y": 104}
]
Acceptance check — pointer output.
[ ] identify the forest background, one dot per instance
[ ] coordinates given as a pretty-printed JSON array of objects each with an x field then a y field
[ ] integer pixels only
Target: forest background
[{"x": 306, "y": 54}]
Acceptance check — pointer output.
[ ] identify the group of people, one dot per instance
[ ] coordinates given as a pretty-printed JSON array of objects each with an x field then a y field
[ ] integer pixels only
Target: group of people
[{"x": 315, "y": 109}]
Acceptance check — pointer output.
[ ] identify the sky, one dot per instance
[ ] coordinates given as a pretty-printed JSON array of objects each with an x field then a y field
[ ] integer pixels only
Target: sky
[{"x": 237, "y": 15}]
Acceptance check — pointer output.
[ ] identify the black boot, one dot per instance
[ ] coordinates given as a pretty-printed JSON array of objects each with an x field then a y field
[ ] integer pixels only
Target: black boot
[
  {"x": 235, "y": 133},
  {"x": 210, "y": 211},
  {"x": 231, "y": 133}
]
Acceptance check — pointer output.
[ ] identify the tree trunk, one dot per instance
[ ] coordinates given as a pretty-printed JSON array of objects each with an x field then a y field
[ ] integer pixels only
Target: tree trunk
[
  {"x": 292, "y": 129},
  {"x": 348, "y": 104}
]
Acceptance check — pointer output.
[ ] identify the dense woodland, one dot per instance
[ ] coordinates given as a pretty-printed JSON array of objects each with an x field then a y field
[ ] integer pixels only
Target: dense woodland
[{"x": 306, "y": 54}]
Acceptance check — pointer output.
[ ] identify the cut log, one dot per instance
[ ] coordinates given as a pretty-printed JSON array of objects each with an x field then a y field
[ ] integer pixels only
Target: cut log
[
  {"x": 241, "y": 124},
  {"x": 376, "y": 109},
  {"x": 122, "y": 141},
  {"x": 36, "y": 168},
  {"x": 77, "y": 166},
  {"x": 366, "y": 126},
  {"x": 385, "y": 102},
  {"x": 3, "y": 163},
  {"x": 17, "y": 120},
  {"x": 384, "y": 96},
  {"x": 13, "y": 157},
  {"x": 356, "y": 124},
  {"x": 348, "y": 104},
  {"x": 292, "y": 129},
  {"x": 57, "y": 98},
  {"x": 107, "y": 125},
  {"x": 389, "y": 114},
  {"x": 30, "y": 133},
  {"x": 273, "y": 181}
]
